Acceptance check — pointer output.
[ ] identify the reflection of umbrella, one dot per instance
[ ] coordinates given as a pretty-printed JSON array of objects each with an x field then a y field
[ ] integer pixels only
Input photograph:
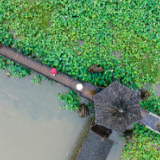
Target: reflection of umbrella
[{"x": 117, "y": 107}]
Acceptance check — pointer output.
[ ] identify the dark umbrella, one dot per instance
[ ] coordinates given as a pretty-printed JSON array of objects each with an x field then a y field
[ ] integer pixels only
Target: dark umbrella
[{"x": 117, "y": 107}]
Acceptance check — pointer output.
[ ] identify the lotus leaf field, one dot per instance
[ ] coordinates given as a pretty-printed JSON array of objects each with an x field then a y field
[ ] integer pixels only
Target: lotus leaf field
[{"x": 49, "y": 32}]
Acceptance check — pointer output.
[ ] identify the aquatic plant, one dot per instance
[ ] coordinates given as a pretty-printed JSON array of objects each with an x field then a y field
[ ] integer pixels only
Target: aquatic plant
[
  {"x": 15, "y": 69},
  {"x": 37, "y": 79},
  {"x": 72, "y": 102},
  {"x": 145, "y": 145},
  {"x": 49, "y": 32},
  {"x": 152, "y": 104},
  {"x": 70, "y": 99}
]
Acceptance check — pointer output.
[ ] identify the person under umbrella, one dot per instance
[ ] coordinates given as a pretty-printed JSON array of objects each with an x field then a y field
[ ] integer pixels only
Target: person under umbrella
[
  {"x": 53, "y": 71},
  {"x": 79, "y": 86}
]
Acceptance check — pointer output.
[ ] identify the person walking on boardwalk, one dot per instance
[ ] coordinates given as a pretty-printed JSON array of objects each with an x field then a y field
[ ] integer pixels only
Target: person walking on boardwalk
[{"x": 53, "y": 71}]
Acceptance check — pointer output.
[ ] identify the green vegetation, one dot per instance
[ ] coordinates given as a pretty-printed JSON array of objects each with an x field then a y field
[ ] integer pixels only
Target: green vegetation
[
  {"x": 145, "y": 145},
  {"x": 48, "y": 31},
  {"x": 152, "y": 104},
  {"x": 37, "y": 79},
  {"x": 70, "y": 99},
  {"x": 14, "y": 68},
  {"x": 72, "y": 102}
]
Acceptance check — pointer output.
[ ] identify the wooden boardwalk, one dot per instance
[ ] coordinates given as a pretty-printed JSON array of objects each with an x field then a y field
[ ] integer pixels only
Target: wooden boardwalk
[
  {"x": 44, "y": 70},
  {"x": 69, "y": 82}
]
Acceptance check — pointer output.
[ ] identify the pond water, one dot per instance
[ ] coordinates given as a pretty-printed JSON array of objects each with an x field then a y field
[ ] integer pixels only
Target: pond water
[{"x": 34, "y": 127}]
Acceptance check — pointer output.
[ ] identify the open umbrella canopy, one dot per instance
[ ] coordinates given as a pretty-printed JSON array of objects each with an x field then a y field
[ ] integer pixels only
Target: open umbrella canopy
[
  {"x": 53, "y": 71},
  {"x": 117, "y": 107}
]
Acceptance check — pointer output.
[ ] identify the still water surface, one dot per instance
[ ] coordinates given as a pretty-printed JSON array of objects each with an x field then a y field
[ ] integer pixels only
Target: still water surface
[{"x": 34, "y": 127}]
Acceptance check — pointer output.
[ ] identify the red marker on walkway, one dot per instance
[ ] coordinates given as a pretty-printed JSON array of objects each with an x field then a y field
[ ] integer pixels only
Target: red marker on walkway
[{"x": 53, "y": 71}]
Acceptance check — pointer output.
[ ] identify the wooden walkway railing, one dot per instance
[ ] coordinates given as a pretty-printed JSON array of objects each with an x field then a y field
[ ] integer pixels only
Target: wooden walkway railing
[{"x": 149, "y": 120}]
